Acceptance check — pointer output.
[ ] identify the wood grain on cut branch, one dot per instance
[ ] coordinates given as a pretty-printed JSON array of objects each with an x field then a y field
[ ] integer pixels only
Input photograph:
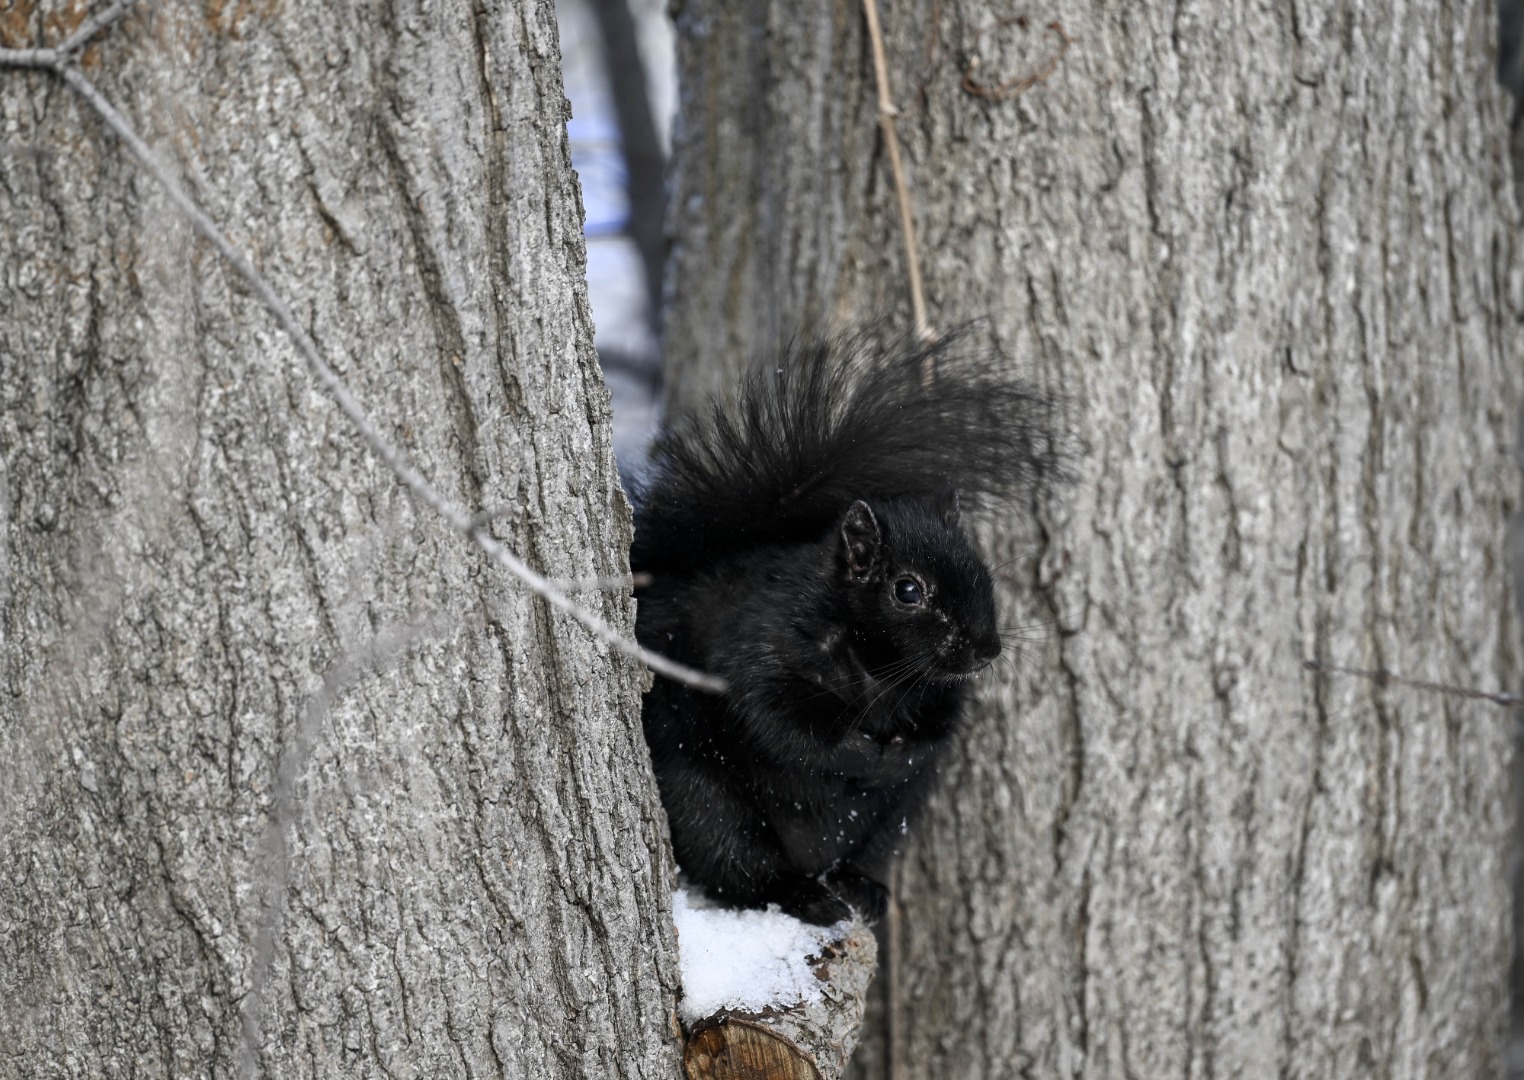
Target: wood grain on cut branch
[{"x": 809, "y": 1041}]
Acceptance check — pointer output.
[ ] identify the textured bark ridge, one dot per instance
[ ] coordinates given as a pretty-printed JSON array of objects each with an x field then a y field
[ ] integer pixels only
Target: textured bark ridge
[
  {"x": 295, "y": 783},
  {"x": 1268, "y": 255}
]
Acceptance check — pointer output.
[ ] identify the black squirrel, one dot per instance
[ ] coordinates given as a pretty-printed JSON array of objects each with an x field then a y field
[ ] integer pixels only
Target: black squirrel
[{"x": 802, "y": 541}]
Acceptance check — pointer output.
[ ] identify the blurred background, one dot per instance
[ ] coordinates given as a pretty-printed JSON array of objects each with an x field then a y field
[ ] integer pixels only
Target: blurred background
[{"x": 620, "y": 71}]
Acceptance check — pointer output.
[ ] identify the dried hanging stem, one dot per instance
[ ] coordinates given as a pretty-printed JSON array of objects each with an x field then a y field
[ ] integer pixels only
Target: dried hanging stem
[
  {"x": 887, "y": 112},
  {"x": 1382, "y": 677}
]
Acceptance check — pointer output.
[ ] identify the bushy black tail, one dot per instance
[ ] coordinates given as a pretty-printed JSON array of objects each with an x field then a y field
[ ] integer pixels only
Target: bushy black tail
[{"x": 834, "y": 421}]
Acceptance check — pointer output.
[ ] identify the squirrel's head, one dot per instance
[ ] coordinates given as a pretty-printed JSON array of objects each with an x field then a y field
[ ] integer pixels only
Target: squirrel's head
[{"x": 915, "y": 591}]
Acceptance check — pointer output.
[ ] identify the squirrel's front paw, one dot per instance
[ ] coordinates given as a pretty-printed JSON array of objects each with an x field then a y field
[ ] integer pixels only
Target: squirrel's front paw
[
  {"x": 837, "y": 897},
  {"x": 865, "y": 896}
]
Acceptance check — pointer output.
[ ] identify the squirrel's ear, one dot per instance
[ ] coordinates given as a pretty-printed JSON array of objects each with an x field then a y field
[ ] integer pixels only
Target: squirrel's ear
[
  {"x": 860, "y": 541},
  {"x": 947, "y": 507}
]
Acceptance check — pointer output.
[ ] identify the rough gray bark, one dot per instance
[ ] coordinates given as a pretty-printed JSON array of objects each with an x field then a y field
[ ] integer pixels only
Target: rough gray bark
[
  {"x": 1268, "y": 253},
  {"x": 290, "y": 769}
]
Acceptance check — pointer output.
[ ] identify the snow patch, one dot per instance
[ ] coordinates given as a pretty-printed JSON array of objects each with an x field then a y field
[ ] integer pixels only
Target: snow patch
[{"x": 744, "y": 959}]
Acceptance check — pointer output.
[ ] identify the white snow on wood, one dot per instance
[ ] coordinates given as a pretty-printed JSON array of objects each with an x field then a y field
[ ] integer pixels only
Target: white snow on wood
[{"x": 744, "y": 959}]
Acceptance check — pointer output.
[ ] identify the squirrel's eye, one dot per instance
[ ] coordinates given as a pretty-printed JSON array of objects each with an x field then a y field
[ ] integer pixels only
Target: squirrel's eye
[{"x": 907, "y": 591}]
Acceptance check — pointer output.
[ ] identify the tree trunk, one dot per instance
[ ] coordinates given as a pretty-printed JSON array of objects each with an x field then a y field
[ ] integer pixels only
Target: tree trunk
[
  {"x": 1268, "y": 257},
  {"x": 297, "y": 783}
]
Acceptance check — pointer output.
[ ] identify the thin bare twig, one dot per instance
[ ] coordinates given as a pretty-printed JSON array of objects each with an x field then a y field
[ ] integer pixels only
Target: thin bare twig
[
  {"x": 887, "y": 112},
  {"x": 62, "y": 63},
  {"x": 48, "y": 59},
  {"x": 1009, "y": 88},
  {"x": 1382, "y": 677},
  {"x": 95, "y": 24},
  {"x": 612, "y": 583},
  {"x": 68, "y": 51}
]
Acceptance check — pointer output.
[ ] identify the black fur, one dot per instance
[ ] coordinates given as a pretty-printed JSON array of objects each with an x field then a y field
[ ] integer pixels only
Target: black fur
[{"x": 803, "y": 542}]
